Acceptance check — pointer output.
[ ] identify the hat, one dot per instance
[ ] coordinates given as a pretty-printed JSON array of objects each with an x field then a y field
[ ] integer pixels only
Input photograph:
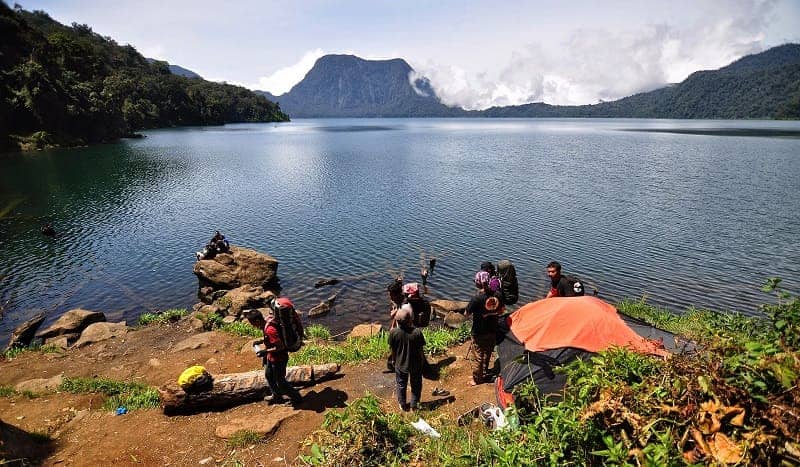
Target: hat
[
  {"x": 494, "y": 284},
  {"x": 411, "y": 289},
  {"x": 405, "y": 315},
  {"x": 284, "y": 302},
  {"x": 481, "y": 279}
]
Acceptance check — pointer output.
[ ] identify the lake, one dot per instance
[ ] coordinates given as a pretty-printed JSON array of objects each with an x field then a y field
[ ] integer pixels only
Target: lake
[{"x": 682, "y": 212}]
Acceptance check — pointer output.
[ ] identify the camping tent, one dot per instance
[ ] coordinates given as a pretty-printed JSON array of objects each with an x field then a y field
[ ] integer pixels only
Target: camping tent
[{"x": 555, "y": 331}]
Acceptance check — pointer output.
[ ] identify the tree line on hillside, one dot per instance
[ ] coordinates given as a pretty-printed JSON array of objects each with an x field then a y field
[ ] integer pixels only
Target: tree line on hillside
[{"x": 62, "y": 85}]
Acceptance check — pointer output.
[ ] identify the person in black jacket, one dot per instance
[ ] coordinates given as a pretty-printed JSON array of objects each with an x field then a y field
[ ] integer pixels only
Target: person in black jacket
[
  {"x": 484, "y": 308},
  {"x": 406, "y": 343}
]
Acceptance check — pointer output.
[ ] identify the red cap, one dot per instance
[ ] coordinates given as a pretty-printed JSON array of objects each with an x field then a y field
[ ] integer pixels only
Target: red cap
[{"x": 284, "y": 302}]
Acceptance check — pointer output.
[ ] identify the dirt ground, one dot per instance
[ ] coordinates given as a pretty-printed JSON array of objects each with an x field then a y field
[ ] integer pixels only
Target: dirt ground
[{"x": 82, "y": 433}]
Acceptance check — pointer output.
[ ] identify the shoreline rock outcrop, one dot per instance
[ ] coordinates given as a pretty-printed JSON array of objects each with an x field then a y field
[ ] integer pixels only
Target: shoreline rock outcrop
[{"x": 240, "y": 267}]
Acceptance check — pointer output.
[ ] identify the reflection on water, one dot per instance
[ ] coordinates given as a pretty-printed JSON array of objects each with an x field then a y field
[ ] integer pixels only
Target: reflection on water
[
  {"x": 766, "y": 132},
  {"x": 683, "y": 218}
]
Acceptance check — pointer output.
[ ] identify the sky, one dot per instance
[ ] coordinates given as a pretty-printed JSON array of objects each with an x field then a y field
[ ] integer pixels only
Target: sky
[{"x": 476, "y": 54}]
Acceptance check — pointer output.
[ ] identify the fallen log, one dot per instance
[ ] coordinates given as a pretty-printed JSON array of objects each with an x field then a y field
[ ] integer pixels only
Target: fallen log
[{"x": 233, "y": 389}]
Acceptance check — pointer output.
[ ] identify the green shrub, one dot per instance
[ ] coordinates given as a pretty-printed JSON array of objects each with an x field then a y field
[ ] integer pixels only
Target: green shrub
[
  {"x": 15, "y": 352},
  {"x": 361, "y": 434},
  {"x": 241, "y": 328},
  {"x": 132, "y": 395},
  {"x": 438, "y": 340},
  {"x": 318, "y": 332},
  {"x": 244, "y": 438},
  {"x": 168, "y": 316},
  {"x": 7, "y": 391}
]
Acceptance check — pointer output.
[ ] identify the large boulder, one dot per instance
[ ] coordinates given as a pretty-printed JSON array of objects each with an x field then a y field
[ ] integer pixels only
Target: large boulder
[
  {"x": 243, "y": 298},
  {"x": 40, "y": 385},
  {"x": 242, "y": 266},
  {"x": 98, "y": 332},
  {"x": 24, "y": 333},
  {"x": 443, "y": 307},
  {"x": 72, "y": 322},
  {"x": 259, "y": 423},
  {"x": 366, "y": 330}
]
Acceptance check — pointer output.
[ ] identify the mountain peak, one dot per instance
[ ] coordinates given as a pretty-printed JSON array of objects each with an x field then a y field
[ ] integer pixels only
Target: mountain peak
[{"x": 341, "y": 85}]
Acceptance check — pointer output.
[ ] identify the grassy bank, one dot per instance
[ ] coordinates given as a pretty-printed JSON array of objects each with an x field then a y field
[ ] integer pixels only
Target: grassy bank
[{"x": 733, "y": 398}]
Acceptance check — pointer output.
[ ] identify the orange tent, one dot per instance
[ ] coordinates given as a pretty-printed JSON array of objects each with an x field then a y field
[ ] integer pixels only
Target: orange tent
[{"x": 586, "y": 323}]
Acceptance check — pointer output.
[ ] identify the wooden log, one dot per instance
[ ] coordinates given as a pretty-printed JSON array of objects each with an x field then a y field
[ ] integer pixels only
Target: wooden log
[{"x": 229, "y": 390}]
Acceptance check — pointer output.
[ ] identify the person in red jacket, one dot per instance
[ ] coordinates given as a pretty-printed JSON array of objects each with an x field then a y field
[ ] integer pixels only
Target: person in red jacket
[{"x": 274, "y": 355}]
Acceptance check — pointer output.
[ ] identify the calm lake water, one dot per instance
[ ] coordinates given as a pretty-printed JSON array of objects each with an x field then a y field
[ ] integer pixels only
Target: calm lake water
[{"x": 684, "y": 212}]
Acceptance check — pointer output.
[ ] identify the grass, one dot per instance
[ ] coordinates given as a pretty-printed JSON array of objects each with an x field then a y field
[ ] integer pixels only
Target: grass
[
  {"x": 244, "y": 438},
  {"x": 7, "y": 391},
  {"x": 169, "y": 316},
  {"x": 318, "y": 332},
  {"x": 15, "y": 352},
  {"x": 241, "y": 328},
  {"x": 369, "y": 349},
  {"x": 132, "y": 395}
]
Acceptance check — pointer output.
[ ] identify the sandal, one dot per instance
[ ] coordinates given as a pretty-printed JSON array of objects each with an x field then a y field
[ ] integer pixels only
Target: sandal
[{"x": 440, "y": 392}]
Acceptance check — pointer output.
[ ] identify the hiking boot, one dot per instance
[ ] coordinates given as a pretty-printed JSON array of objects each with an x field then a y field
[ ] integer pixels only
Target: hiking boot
[{"x": 274, "y": 400}]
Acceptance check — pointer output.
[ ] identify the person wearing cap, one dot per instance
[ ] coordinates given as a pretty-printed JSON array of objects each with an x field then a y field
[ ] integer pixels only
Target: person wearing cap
[
  {"x": 406, "y": 343},
  {"x": 275, "y": 356},
  {"x": 484, "y": 308}
]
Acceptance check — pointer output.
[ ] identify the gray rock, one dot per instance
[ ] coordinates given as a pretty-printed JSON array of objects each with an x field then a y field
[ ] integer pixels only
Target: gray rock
[
  {"x": 258, "y": 423},
  {"x": 323, "y": 308},
  {"x": 62, "y": 342},
  {"x": 229, "y": 319},
  {"x": 365, "y": 330},
  {"x": 442, "y": 307},
  {"x": 71, "y": 322},
  {"x": 24, "y": 333},
  {"x": 40, "y": 385},
  {"x": 98, "y": 332},
  {"x": 194, "y": 342},
  {"x": 454, "y": 319}
]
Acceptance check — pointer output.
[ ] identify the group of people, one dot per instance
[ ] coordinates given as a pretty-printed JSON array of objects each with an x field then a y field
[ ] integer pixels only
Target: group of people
[
  {"x": 217, "y": 244},
  {"x": 485, "y": 308},
  {"x": 410, "y": 312}
]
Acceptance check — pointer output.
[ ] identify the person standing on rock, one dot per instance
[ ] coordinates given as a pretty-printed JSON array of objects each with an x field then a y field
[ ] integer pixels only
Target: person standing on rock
[
  {"x": 406, "y": 343},
  {"x": 274, "y": 356}
]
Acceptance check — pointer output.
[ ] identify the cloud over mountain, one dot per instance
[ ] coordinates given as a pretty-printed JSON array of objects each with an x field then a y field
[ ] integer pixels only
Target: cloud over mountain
[{"x": 594, "y": 63}]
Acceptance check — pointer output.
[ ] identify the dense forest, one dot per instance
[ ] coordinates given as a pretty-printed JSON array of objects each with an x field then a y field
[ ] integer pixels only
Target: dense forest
[{"x": 66, "y": 86}]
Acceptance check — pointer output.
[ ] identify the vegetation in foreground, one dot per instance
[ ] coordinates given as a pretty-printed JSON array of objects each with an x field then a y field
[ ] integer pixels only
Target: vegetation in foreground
[{"x": 732, "y": 398}]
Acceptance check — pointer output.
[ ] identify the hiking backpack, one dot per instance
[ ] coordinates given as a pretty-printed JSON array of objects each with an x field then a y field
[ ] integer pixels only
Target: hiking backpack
[
  {"x": 576, "y": 288},
  {"x": 422, "y": 312},
  {"x": 291, "y": 328},
  {"x": 508, "y": 281}
]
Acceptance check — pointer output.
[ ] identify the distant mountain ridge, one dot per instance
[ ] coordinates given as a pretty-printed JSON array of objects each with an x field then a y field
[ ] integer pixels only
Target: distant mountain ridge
[
  {"x": 763, "y": 85},
  {"x": 178, "y": 70},
  {"x": 349, "y": 86}
]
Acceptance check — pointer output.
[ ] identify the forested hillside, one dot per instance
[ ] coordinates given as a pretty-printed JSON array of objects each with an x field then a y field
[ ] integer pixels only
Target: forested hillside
[
  {"x": 64, "y": 86},
  {"x": 764, "y": 85}
]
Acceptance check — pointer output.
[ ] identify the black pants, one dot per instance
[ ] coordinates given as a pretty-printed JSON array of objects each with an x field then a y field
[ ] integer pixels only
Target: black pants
[
  {"x": 275, "y": 373},
  {"x": 402, "y": 383}
]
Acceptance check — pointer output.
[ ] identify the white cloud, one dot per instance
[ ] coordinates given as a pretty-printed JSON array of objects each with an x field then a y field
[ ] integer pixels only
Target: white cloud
[
  {"x": 592, "y": 64},
  {"x": 281, "y": 81},
  {"x": 157, "y": 52}
]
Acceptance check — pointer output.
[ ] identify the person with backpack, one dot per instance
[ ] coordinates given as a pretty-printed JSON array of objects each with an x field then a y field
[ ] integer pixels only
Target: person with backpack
[
  {"x": 484, "y": 307},
  {"x": 420, "y": 307},
  {"x": 280, "y": 336},
  {"x": 406, "y": 343},
  {"x": 562, "y": 286}
]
